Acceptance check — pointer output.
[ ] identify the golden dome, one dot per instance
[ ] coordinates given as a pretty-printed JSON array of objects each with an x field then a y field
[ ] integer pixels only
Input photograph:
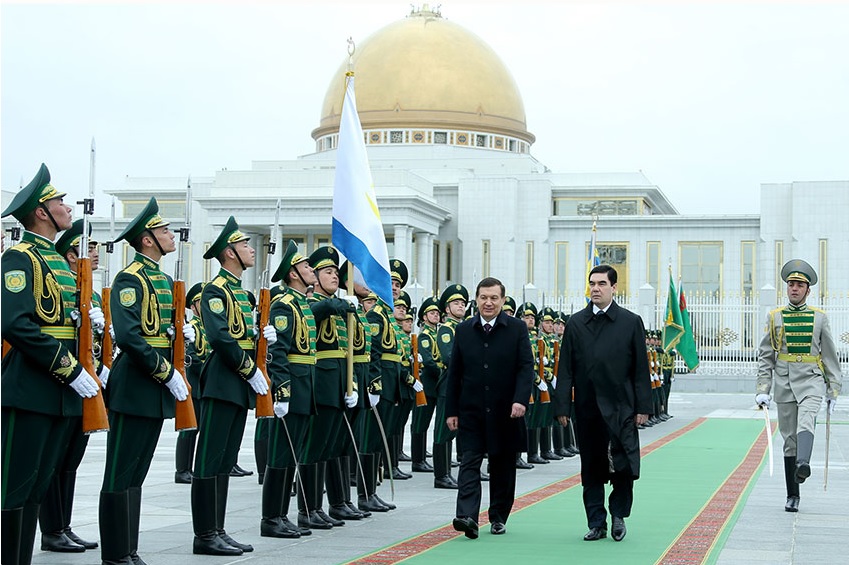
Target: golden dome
[{"x": 427, "y": 72}]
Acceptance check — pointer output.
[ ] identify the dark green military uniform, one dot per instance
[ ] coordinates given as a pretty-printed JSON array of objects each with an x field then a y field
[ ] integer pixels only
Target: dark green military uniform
[
  {"x": 138, "y": 401},
  {"x": 431, "y": 366},
  {"x": 54, "y": 515},
  {"x": 442, "y": 436},
  {"x": 38, "y": 297},
  {"x": 292, "y": 371},
  {"x": 226, "y": 397},
  {"x": 406, "y": 392},
  {"x": 196, "y": 354}
]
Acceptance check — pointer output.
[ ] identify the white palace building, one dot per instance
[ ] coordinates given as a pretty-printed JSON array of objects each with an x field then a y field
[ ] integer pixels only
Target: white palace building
[{"x": 449, "y": 149}]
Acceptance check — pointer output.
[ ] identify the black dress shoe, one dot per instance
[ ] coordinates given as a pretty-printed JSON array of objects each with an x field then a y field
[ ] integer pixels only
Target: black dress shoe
[
  {"x": 135, "y": 559},
  {"x": 428, "y": 454},
  {"x": 76, "y": 539},
  {"x": 421, "y": 467},
  {"x": 454, "y": 464},
  {"x": 445, "y": 482},
  {"x": 370, "y": 505},
  {"x": 404, "y": 457},
  {"x": 290, "y": 525},
  {"x": 467, "y": 526},
  {"x": 355, "y": 510},
  {"x": 498, "y": 529},
  {"x": 597, "y": 533},
  {"x": 260, "y": 477},
  {"x": 60, "y": 543},
  {"x": 617, "y": 528},
  {"x": 400, "y": 475},
  {"x": 564, "y": 453},
  {"x": 332, "y": 521},
  {"x": 792, "y": 504},
  {"x": 550, "y": 455},
  {"x": 342, "y": 512},
  {"x": 522, "y": 464},
  {"x": 573, "y": 449},
  {"x": 183, "y": 477},
  {"x": 212, "y": 544},
  {"x": 536, "y": 459}
]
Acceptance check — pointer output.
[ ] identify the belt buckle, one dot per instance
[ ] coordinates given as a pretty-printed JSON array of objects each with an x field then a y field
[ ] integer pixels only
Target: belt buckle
[{"x": 798, "y": 358}]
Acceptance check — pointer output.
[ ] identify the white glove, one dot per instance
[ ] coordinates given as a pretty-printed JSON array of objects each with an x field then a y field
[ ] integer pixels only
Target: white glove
[
  {"x": 84, "y": 385},
  {"x": 418, "y": 386},
  {"x": 554, "y": 383},
  {"x": 270, "y": 334},
  {"x": 373, "y": 399},
  {"x": 103, "y": 376},
  {"x": 112, "y": 335},
  {"x": 258, "y": 383},
  {"x": 281, "y": 409},
  {"x": 420, "y": 358},
  {"x": 830, "y": 403},
  {"x": 177, "y": 386},
  {"x": 545, "y": 361},
  {"x": 189, "y": 332},
  {"x": 542, "y": 386},
  {"x": 351, "y": 401},
  {"x": 98, "y": 320},
  {"x": 352, "y": 299},
  {"x": 762, "y": 400}
]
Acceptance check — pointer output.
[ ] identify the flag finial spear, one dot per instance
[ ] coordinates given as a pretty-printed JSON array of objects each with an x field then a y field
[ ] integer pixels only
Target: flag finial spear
[{"x": 351, "y": 48}]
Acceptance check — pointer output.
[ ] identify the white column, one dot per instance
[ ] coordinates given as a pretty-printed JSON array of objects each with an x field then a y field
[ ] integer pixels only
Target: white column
[
  {"x": 403, "y": 236},
  {"x": 424, "y": 268}
]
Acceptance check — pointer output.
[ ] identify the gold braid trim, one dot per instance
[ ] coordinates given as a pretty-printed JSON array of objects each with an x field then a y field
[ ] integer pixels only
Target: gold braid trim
[{"x": 45, "y": 289}]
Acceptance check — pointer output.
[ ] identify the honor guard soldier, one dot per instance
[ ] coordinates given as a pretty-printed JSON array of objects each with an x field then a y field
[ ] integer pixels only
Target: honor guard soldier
[
  {"x": 409, "y": 384},
  {"x": 530, "y": 315},
  {"x": 143, "y": 384},
  {"x": 42, "y": 382},
  {"x": 431, "y": 363},
  {"x": 292, "y": 371},
  {"x": 509, "y": 307},
  {"x": 385, "y": 349},
  {"x": 667, "y": 366},
  {"x": 197, "y": 351},
  {"x": 55, "y": 513},
  {"x": 548, "y": 434},
  {"x": 570, "y": 444},
  {"x": 327, "y": 434},
  {"x": 231, "y": 382},
  {"x": 452, "y": 303},
  {"x": 798, "y": 362}
]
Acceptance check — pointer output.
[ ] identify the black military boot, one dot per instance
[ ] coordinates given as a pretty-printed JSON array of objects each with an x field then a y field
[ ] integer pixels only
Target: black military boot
[
  {"x": 397, "y": 473},
  {"x": 288, "y": 485},
  {"x": 345, "y": 462},
  {"x": 420, "y": 464},
  {"x": 319, "y": 495},
  {"x": 441, "y": 468},
  {"x": 545, "y": 445},
  {"x": 307, "y": 517},
  {"x": 221, "y": 490},
  {"x": 792, "y": 504},
  {"x": 51, "y": 520},
  {"x": 271, "y": 524},
  {"x": 533, "y": 448},
  {"x": 804, "y": 447},
  {"x": 336, "y": 481},
  {"x": 399, "y": 447},
  {"x": 68, "y": 487},
  {"x": 11, "y": 536},
  {"x": 261, "y": 456},
  {"x": 521, "y": 463},
  {"x": 135, "y": 495},
  {"x": 375, "y": 496},
  {"x": 207, "y": 541},
  {"x": 114, "y": 521},
  {"x": 183, "y": 456},
  {"x": 366, "y": 485}
]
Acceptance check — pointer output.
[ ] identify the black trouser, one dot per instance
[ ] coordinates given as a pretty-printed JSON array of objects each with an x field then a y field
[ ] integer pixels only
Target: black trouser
[
  {"x": 55, "y": 511},
  {"x": 620, "y": 500},
  {"x": 222, "y": 426},
  {"x": 502, "y": 485}
]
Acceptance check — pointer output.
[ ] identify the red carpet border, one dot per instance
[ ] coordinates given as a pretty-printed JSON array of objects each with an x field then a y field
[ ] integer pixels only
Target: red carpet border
[{"x": 414, "y": 546}]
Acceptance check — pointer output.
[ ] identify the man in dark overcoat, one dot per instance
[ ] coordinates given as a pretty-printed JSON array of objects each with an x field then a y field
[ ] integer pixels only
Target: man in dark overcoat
[
  {"x": 490, "y": 376},
  {"x": 603, "y": 356}
]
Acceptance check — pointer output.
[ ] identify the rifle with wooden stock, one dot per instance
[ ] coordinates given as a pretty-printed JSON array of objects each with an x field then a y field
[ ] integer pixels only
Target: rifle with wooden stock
[
  {"x": 421, "y": 399},
  {"x": 265, "y": 402},
  {"x": 107, "y": 347},
  {"x": 184, "y": 417},
  {"x": 544, "y": 395},
  {"x": 94, "y": 409}
]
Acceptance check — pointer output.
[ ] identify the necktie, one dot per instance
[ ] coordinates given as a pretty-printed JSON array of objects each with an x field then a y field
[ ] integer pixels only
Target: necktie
[{"x": 487, "y": 327}]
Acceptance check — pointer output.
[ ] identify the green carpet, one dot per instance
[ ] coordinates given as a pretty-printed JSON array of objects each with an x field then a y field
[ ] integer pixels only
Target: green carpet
[{"x": 678, "y": 480}]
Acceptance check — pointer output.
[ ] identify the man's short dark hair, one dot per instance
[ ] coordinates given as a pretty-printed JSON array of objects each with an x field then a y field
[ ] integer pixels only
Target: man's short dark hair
[
  {"x": 488, "y": 282},
  {"x": 612, "y": 276}
]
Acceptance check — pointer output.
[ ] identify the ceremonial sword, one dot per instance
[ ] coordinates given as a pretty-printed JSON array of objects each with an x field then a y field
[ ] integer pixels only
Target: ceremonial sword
[{"x": 768, "y": 436}]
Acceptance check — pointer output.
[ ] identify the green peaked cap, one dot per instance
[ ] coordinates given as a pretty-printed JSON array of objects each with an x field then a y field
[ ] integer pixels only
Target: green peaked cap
[
  {"x": 71, "y": 237},
  {"x": 230, "y": 234},
  {"x": 147, "y": 219},
  {"x": 38, "y": 191},
  {"x": 290, "y": 258}
]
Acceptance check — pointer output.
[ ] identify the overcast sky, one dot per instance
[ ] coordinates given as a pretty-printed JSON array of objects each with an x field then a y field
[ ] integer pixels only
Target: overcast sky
[{"x": 708, "y": 99}]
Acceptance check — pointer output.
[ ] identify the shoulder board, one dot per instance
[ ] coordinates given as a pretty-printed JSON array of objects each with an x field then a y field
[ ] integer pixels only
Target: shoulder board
[
  {"x": 23, "y": 247},
  {"x": 219, "y": 281},
  {"x": 815, "y": 309},
  {"x": 134, "y": 268},
  {"x": 776, "y": 311},
  {"x": 285, "y": 298}
]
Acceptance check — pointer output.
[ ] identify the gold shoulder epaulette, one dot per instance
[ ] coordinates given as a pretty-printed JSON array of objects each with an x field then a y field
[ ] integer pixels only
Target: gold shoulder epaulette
[
  {"x": 134, "y": 268},
  {"x": 815, "y": 309},
  {"x": 23, "y": 247},
  {"x": 219, "y": 281}
]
